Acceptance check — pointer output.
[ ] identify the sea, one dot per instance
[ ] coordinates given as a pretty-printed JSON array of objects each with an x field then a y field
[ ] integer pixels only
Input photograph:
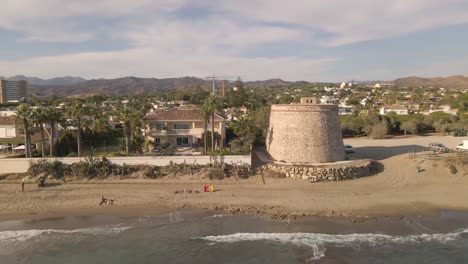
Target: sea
[{"x": 187, "y": 236}]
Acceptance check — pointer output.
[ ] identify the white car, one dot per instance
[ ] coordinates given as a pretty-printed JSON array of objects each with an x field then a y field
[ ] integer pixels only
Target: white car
[{"x": 349, "y": 149}]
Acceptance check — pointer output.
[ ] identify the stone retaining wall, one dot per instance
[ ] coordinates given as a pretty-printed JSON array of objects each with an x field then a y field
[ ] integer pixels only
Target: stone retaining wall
[{"x": 324, "y": 173}]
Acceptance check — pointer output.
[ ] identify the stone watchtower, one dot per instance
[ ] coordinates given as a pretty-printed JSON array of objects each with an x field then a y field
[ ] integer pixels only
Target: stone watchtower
[{"x": 305, "y": 133}]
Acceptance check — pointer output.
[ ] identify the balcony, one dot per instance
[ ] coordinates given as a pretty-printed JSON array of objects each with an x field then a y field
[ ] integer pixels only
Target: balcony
[{"x": 176, "y": 132}]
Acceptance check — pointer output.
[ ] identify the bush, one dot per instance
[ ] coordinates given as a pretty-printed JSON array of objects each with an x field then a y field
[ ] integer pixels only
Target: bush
[{"x": 55, "y": 168}]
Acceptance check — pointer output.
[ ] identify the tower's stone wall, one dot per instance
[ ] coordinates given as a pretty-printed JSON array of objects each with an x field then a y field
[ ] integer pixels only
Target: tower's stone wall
[{"x": 305, "y": 133}]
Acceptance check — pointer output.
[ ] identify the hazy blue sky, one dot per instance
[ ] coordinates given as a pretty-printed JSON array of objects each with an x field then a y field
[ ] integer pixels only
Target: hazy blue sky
[{"x": 314, "y": 40}]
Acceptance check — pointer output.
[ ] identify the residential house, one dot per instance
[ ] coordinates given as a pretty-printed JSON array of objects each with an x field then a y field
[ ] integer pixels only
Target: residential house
[
  {"x": 443, "y": 108},
  {"x": 345, "y": 110},
  {"x": 181, "y": 126},
  {"x": 397, "y": 109},
  {"x": 9, "y": 136},
  {"x": 7, "y": 127},
  {"x": 328, "y": 100},
  {"x": 7, "y": 113}
]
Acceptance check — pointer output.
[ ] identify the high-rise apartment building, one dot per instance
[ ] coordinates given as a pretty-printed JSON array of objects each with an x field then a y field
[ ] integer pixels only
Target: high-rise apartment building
[{"x": 13, "y": 91}]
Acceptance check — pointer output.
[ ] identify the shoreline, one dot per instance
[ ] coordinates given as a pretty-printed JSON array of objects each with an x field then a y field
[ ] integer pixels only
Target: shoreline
[{"x": 442, "y": 221}]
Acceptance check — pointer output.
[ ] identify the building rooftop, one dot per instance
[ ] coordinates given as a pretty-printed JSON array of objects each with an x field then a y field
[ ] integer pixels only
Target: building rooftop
[
  {"x": 395, "y": 107},
  {"x": 183, "y": 113},
  {"x": 7, "y": 121}
]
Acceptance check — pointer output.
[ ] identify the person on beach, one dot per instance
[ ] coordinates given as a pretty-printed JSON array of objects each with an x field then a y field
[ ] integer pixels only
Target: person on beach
[
  {"x": 22, "y": 185},
  {"x": 103, "y": 200}
]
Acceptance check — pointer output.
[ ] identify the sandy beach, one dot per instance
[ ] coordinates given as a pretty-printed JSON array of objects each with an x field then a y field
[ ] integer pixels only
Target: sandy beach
[{"x": 399, "y": 189}]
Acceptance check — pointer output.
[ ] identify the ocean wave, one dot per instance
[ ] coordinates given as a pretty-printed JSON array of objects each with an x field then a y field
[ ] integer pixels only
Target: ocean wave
[
  {"x": 23, "y": 235},
  {"x": 317, "y": 242}
]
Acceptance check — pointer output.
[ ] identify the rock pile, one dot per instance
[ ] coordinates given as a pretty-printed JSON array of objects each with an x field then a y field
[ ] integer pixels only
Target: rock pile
[{"x": 323, "y": 173}]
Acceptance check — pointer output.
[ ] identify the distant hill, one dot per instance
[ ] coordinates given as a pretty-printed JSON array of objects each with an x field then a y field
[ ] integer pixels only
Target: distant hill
[
  {"x": 454, "y": 82},
  {"x": 134, "y": 85},
  {"x": 54, "y": 81},
  {"x": 79, "y": 87},
  {"x": 120, "y": 86},
  {"x": 269, "y": 83}
]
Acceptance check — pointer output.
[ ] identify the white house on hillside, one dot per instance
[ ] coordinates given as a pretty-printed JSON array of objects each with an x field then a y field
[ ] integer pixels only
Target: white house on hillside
[{"x": 397, "y": 109}]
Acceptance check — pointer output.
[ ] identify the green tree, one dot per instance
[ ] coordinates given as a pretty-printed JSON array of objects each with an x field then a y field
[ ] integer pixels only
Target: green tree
[
  {"x": 24, "y": 115},
  {"x": 126, "y": 116},
  {"x": 53, "y": 116},
  {"x": 244, "y": 128},
  {"x": 77, "y": 111},
  {"x": 411, "y": 126},
  {"x": 209, "y": 107},
  {"x": 39, "y": 117},
  {"x": 205, "y": 111}
]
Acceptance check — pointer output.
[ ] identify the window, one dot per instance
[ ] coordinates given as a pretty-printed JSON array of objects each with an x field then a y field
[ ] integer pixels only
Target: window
[
  {"x": 182, "y": 141},
  {"x": 157, "y": 140},
  {"x": 159, "y": 126},
  {"x": 181, "y": 126}
]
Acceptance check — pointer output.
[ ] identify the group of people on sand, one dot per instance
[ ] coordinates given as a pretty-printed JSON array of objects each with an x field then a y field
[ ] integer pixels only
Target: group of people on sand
[
  {"x": 107, "y": 201},
  {"x": 184, "y": 191}
]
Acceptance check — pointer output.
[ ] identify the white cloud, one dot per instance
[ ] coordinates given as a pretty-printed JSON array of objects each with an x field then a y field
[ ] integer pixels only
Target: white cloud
[
  {"x": 147, "y": 62},
  {"x": 354, "y": 21},
  {"x": 162, "y": 43}
]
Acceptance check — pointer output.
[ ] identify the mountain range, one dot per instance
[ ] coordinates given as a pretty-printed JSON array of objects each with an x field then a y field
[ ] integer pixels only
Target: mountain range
[
  {"x": 79, "y": 87},
  {"x": 68, "y": 80},
  {"x": 451, "y": 82}
]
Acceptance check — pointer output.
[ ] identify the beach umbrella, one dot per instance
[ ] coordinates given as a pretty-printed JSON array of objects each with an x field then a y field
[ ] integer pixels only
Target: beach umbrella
[{"x": 22, "y": 147}]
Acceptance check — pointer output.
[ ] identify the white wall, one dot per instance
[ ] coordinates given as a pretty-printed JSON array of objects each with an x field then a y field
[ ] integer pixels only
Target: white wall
[
  {"x": 21, "y": 165},
  {"x": 7, "y": 131}
]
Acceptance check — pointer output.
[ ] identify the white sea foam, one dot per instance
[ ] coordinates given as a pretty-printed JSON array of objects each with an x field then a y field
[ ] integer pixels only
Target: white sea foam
[
  {"x": 317, "y": 242},
  {"x": 23, "y": 235}
]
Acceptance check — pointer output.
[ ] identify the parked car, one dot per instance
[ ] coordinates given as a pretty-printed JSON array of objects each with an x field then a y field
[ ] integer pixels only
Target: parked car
[
  {"x": 463, "y": 146},
  {"x": 438, "y": 147},
  {"x": 349, "y": 149}
]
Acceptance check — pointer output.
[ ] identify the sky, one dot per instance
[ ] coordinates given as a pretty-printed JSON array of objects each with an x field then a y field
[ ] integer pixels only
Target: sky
[{"x": 311, "y": 40}]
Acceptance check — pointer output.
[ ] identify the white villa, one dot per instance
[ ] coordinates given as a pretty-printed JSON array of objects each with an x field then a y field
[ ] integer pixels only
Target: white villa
[
  {"x": 181, "y": 126},
  {"x": 397, "y": 109}
]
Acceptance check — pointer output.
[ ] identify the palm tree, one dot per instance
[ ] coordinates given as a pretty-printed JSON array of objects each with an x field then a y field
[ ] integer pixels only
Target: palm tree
[
  {"x": 53, "y": 117},
  {"x": 210, "y": 106},
  {"x": 77, "y": 111},
  {"x": 206, "y": 114},
  {"x": 126, "y": 116},
  {"x": 24, "y": 115},
  {"x": 39, "y": 116},
  {"x": 244, "y": 128}
]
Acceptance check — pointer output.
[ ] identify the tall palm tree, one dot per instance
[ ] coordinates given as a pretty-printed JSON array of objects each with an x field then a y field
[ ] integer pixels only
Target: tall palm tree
[
  {"x": 77, "y": 111},
  {"x": 39, "y": 116},
  {"x": 53, "y": 117},
  {"x": 210, "y": 106},
  {"x": 126, "y": 116},
  {"x": 24, "y": 115},
  {"x": 206, "y": 114}
]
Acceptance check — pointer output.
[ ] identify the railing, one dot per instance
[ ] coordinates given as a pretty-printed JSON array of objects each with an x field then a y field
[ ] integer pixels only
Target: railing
[{"x": 177, "y": 132}]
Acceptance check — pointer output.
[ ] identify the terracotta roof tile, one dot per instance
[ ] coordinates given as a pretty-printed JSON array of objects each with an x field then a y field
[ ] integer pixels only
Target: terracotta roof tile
[{"x": 7, "y": 120}]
